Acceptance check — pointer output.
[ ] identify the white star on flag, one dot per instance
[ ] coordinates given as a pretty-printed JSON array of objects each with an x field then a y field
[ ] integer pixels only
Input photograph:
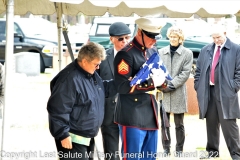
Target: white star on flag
[{"x": 144, "y": 73}]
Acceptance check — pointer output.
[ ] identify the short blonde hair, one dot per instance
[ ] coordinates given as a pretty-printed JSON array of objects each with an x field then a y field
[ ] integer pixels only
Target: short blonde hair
[
  {"x": 91, "y": 51},
  {"x": 178, "y": 31}
]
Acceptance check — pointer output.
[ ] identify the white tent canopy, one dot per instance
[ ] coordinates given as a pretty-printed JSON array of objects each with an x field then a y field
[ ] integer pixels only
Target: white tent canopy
[
  {"x": 171, "y": 8},
  {"x": 2, "y": 7}
]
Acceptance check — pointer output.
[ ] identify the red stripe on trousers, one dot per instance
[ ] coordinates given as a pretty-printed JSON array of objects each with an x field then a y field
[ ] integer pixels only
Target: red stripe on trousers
[{"x": 124, "y": 130}]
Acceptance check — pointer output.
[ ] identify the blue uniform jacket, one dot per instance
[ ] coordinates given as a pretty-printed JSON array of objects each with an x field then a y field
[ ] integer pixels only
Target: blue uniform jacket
[
  {"x": 76, "y": 103},
  {"x": 137, "y": 108}
]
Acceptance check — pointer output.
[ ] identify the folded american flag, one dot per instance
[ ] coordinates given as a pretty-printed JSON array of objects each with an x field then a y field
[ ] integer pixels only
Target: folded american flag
[{"x": 144, "y": 73}]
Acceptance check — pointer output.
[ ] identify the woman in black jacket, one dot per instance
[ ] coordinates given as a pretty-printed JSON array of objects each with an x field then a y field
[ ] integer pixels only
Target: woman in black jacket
[{"x": 76, "y": 104}]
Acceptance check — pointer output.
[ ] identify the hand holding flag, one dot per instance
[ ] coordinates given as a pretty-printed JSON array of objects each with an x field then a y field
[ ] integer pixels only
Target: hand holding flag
[
  {"x": 155, "y": 69},
  {"x": 157, "y": 76},
  {"x": 151, "y": 68}
]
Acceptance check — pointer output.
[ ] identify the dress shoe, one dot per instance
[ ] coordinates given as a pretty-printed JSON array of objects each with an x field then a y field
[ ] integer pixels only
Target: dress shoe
[
  {"x": 166, "y": 153},
  {"x": 178, "y": 154},
  {"x": 207, "y": 155}
]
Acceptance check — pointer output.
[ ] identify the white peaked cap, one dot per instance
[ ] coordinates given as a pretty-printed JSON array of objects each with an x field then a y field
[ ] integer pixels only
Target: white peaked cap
[{"x": 149, "y": 25}]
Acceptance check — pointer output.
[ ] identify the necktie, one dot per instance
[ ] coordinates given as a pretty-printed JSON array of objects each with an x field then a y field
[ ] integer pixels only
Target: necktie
[{"x": 215, "y": 61}]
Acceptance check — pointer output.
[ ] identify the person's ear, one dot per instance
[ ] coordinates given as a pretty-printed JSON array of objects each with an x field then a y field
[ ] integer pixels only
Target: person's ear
[
  {"x": 111, "y": 39},
  {"x": 84, "y": 61},
  {"x": 139, "y": 32}
]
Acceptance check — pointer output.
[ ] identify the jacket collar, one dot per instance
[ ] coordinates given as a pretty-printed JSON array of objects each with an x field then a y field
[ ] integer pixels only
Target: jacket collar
[
  {"x": 227, "y": 45},
  {"x": 87, "y": 75},
  {"x": 138, "y": 45},
  {"x": 179, "y": 50}
]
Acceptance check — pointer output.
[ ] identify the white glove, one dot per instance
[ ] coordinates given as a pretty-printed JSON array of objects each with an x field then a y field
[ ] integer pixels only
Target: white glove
[{"x": 157, "y": 76}]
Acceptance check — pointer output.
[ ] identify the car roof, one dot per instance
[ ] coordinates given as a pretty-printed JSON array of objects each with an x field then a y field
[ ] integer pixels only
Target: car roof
[{"x": 28, "y": 20}]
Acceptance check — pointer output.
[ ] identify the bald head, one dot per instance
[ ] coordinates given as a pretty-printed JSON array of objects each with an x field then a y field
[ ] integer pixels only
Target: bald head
[
  {"x": 217, "y": 28},
  {"x": 218, "y": 33}
]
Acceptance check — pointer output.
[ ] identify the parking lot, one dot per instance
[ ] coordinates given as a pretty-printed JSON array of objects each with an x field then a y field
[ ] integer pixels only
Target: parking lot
[{"x": 28, "y": 136}]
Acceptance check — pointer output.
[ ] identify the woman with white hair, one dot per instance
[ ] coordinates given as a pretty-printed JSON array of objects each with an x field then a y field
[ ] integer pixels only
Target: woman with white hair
[{"x": 178, "y": 61}]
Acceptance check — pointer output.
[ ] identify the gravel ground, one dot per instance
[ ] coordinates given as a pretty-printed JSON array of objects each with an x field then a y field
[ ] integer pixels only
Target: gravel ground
[{"x": 26, "y": 123}]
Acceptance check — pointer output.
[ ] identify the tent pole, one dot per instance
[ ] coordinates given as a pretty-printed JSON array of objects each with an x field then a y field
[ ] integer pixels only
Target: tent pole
[
  {"x": 67, "y": 42},
  {"x": 8, "y": 75},
  {"x": 59, "y": 26}
]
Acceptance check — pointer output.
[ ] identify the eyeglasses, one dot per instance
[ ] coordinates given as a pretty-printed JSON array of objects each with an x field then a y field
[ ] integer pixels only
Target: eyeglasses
[
  {"x": 149, "y": 34},
  {"x": 96, "y": 64},
  {"x": 122, "y": 38}
]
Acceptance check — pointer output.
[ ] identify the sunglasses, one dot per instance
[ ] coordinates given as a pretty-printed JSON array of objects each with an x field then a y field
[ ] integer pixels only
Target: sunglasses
[
  {"x": 149, "y": 34},
  {"x": 122, "y": 38}
]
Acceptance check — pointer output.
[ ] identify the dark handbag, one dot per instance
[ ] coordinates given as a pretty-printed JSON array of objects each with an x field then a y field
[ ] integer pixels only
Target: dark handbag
[{"x": 164, "y": 119}]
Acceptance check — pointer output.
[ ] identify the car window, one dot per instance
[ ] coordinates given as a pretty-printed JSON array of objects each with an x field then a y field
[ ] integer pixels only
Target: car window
[
  {"x": 100, "y": 26},
  {"x": 164, "y": 30},
  {"x": 17, "y": 29},
  {"x": 38, "y": 26},
  {"x": 2, "y": 28},
  {"x": 196, "y": 28},
  {"x": 102, "y": 29}
]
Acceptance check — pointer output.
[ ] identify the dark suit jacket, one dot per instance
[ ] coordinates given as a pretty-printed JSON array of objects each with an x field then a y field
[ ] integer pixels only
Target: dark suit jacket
[{"x": 106, "y": 72}]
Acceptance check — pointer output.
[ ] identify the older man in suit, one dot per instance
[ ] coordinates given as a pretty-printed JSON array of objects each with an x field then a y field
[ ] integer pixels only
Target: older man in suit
[
  {"x": 217, "y": 82},
  {"x": 119, "y": 36}
]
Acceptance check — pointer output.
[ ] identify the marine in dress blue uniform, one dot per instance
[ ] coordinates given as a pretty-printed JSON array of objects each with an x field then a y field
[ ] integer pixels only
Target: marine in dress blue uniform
[{"x": 137, "y": 113}]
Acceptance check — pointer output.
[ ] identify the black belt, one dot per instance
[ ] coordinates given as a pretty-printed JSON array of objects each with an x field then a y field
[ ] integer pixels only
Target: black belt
[{"x": 211, "y": 85}]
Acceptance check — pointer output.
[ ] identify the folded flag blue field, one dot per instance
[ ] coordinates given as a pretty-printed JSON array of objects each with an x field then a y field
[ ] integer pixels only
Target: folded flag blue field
[{"x": 144, "y": 73}]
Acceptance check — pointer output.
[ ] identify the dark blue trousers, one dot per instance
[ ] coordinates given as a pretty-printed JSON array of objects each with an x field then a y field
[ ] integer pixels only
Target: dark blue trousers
[{"x": 138, "y": 144}]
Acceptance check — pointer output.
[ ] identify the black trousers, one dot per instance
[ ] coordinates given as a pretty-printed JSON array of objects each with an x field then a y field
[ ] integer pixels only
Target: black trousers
[
  {"x": 110, "y": 136},
  {"x": 214, "y": 118},
  {"x": 180, "y": 133},
  {"x": 78, "y": 151}
]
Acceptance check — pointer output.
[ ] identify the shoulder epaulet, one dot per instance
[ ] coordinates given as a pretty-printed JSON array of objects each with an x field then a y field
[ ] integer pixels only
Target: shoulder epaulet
[{"x": 127, "y": 47}]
